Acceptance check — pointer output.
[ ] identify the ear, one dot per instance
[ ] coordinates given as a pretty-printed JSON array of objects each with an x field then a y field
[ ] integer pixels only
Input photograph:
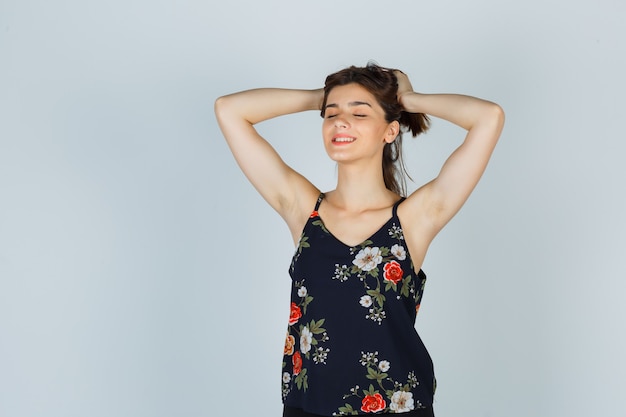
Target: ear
[{"x": 392, "y": 131}]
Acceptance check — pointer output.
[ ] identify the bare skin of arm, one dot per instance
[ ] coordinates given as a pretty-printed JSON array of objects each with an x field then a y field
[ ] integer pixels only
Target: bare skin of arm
[
  {"x": 427, "y": 210},
  {"x": 288, "y": 192}
]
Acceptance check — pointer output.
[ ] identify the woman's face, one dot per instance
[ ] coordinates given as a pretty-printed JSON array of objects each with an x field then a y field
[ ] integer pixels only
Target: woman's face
[{"x": 354, "y": 127}]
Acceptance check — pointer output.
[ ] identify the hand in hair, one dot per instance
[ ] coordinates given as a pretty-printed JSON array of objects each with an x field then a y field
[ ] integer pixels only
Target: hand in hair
[{"x": 404, "y": 85}]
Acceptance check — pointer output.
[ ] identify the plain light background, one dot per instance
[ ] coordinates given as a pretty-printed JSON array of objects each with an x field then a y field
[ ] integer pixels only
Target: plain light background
[{"x": 141, "y": 275}]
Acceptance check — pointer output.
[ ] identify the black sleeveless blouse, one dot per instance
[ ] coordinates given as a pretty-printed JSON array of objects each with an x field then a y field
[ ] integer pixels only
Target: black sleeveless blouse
[{"x": 351, "y": 344}]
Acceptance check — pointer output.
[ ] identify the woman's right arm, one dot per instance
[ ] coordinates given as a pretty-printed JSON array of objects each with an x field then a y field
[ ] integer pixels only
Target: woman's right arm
[{"x": 282, "y": 187}]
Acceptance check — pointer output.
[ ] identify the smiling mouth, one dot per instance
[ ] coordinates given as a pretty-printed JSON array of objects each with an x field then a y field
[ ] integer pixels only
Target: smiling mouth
[{"x": 343, "y": 140}]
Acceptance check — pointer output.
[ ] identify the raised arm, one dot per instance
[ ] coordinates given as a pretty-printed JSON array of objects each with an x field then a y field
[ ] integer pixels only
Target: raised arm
[
  {"x": 280, "y": 186},
  {"x": 443, "y": 197}
]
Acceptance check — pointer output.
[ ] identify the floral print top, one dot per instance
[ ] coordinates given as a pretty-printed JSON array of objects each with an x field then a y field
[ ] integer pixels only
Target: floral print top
[{"x": 351, "y": 346}]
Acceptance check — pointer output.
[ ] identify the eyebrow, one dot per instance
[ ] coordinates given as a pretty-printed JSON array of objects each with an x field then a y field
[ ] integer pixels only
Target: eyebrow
[{"x": 351, "y": 104}]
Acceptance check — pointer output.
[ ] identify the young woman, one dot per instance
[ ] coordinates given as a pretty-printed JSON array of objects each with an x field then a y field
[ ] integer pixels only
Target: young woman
[{"x": 351, "y": 346}]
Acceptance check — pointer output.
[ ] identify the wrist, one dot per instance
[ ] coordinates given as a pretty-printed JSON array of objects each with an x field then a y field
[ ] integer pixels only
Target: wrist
[
  {"x": 410, "y": 101},
  {"x": 317, "y": 98}
]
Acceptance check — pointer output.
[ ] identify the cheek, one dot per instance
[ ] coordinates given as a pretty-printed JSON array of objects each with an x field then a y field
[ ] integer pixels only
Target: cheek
[{"x": 327, "y": 131}]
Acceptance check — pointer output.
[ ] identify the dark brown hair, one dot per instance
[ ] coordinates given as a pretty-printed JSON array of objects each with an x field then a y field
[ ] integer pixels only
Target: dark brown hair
[{"x": 382, "y": 83}]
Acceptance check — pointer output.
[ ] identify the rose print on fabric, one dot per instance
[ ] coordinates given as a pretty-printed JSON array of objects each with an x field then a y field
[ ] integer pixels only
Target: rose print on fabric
[
  {"x": 378, "y": 288},
  {"x": 303, "y": 343},
  {"x": 393, "y": 272},
  {"x": 379, "y": 269},
  {"x": 373, "y": 403},
  {"x": 387, "y": 396},
  {"x": 296, "y": 361},
  {"x": 294, "y": 314}
]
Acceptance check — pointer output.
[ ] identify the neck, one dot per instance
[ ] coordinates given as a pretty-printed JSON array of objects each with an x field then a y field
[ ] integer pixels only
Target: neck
[{"x": 360, "y": 188}]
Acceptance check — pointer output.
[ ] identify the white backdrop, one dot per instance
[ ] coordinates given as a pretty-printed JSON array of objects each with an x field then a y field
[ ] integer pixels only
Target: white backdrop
[{"x": 140, "y": 274}]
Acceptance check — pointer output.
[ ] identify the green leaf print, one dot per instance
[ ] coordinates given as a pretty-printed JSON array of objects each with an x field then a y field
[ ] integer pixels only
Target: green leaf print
[
  {"x": 302, "y": 380},
  {"x": 390, "y": 285},
  {"x": 373, "y": 373},
  {"x": 377, "y": 296},
  {"x": 370, "y": 391},
  {"x": 319, "y": 223},
  {"x": 406, "y": 286},
  {"x": 316, "y": 326},
  {"x": 347, "y": 409}
]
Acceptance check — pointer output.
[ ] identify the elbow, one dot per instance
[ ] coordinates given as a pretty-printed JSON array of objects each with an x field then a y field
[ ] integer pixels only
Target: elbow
[
  {"x": 220, "y": 104},
  {"x": 498, "y": 115},
  {"x": 229, "y": 109},
  {"x": 493, "y": 118},
  {"x": 226, "y": 110}
]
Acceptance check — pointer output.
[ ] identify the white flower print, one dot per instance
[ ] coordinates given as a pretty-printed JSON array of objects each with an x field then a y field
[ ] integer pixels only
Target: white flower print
[
  {"x": 306, "y": 338},
  {"x": 368, "y": 258},
  {"x": 302, "y": 292},
  {"x": 320, "y": 355},
  {"x": 396, "y": 232},
  {"x": 384, "y": 366},
  {"x": 399, "y": 252},
  {"x": 286, "y": 377},
  {"x": 369, "y": 358},
  {"x": 377, "y": 315},
  {"x": 366, "y": 301},
  {"x": 342, "y": 272},
  {"x": 402, "y": 402}
]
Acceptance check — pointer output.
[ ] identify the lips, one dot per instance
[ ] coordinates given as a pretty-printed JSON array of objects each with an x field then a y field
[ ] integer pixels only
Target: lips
[{"x": 343, "y": 139}]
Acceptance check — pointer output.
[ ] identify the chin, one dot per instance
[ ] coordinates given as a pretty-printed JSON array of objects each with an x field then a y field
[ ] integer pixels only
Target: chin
[{"x": 337, "y": 157}]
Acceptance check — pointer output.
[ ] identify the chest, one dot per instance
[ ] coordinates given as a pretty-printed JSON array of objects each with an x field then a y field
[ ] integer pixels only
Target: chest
[{"x": 352, "y": 229}]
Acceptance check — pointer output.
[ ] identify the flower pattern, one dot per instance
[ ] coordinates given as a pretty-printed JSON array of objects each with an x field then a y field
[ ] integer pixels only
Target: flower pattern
[
  {"x": 366, "y": 301},
  {"x": 290, "y": 342},
  {"x": 306, "y": 338},
  {"x": 399, "y": 252},
  {"x": 296, "y": 361},
  {"x": 378, "y": 277},
  {"x": 401, "y": 402},
  {"x": 373, "y": 403},
  {"x": 368, "y": 258},
  {"x": 399, "y": 398},
  {"x": 366, "y": 267},
  {"x": 310, "y": 335},
  {"x": 393, "y": 272},
  {"x": 294, "y": 314}
]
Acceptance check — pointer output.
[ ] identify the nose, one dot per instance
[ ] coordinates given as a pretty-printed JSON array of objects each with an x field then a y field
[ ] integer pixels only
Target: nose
[{"x": 340, "y": 122}]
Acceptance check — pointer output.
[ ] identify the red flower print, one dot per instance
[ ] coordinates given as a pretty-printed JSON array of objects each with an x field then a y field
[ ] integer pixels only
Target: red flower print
[
  {"x": 296, "y": 360},
  {"x": 294, "y": 314},
  {"x": 314, "y": 214},
  {"x": 393, "y": 272},
  {"x": 373, "y": 403}
]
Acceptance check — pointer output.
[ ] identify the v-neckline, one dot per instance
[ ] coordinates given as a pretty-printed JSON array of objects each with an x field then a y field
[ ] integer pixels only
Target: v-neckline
[
  {"x": 368, "y": 239},
  {"x": 394, "y": 214}
]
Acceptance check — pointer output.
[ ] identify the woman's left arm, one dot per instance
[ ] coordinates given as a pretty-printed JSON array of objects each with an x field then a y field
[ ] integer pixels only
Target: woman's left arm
[{"x": 483, "y": 120}]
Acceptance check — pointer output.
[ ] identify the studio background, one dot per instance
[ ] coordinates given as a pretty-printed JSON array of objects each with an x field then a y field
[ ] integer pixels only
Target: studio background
[{"x": 141, "y": 275}]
